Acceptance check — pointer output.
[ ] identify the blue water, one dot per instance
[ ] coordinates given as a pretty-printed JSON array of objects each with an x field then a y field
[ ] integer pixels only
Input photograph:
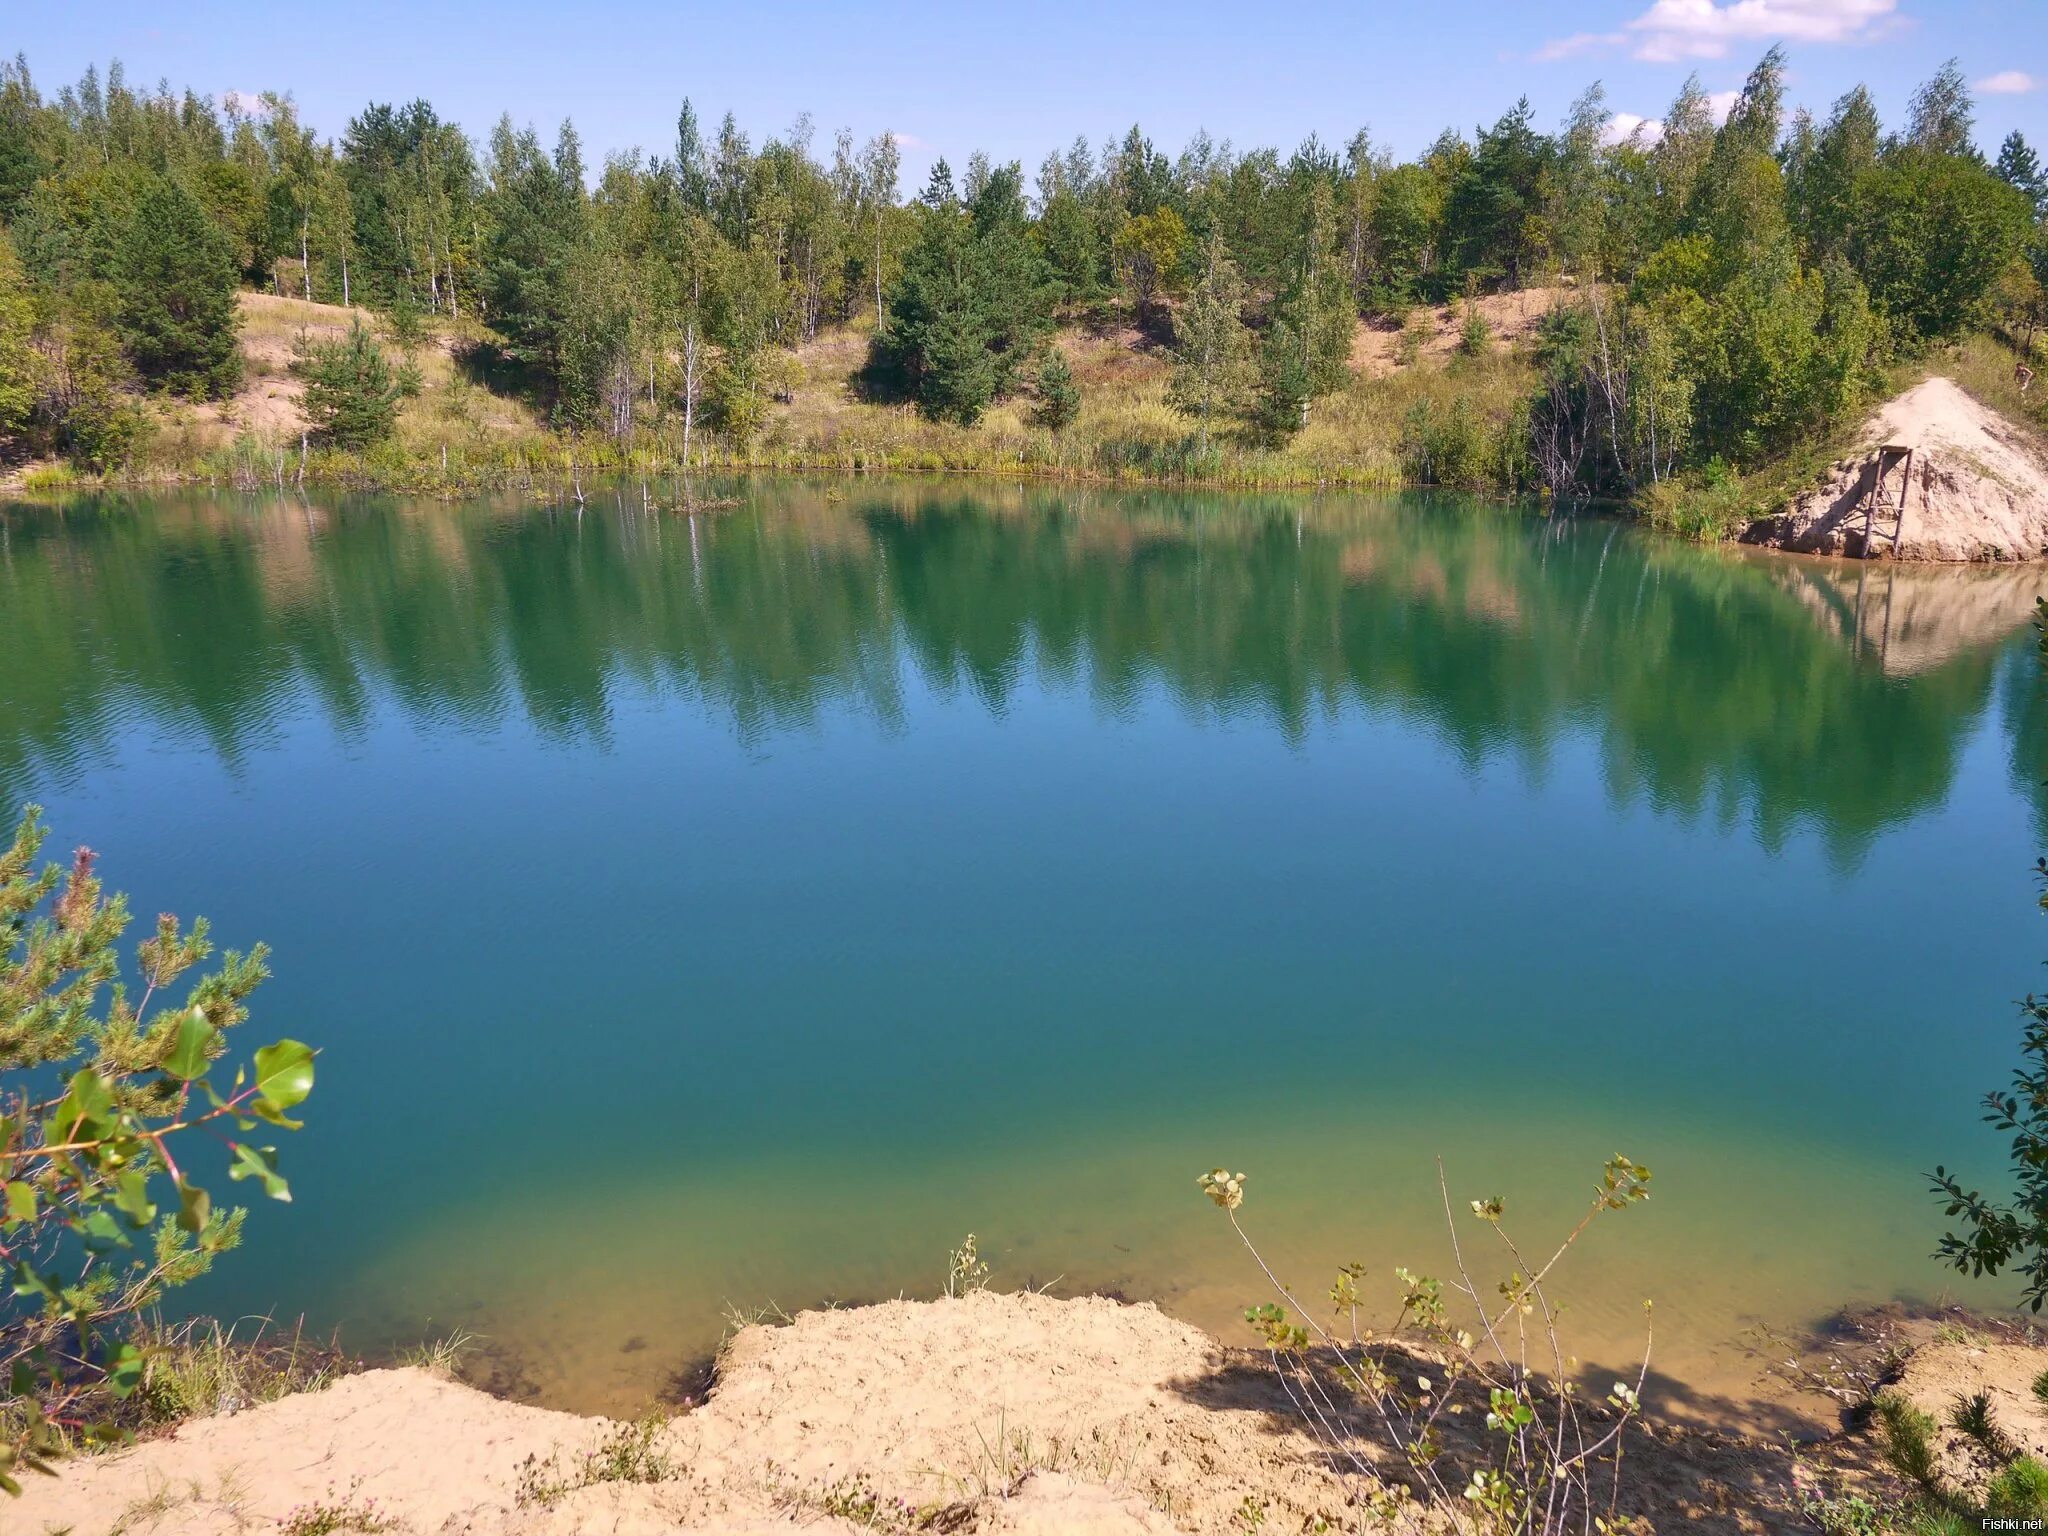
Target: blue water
[{"x": 712, "y": 911}]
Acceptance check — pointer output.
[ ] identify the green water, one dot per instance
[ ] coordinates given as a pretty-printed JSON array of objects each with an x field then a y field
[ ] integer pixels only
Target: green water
[{"x": 738, "y": 908}]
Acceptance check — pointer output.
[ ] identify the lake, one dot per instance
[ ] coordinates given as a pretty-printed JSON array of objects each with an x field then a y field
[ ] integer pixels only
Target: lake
[{"x": 703, "y": 911}]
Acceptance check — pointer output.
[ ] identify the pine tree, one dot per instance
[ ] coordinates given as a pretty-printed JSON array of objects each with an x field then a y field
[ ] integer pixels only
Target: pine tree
[
  {"x": 2020, "y": 168},
  {"x": 1212, "y": 364},
  {"x": 174, "y": 281},
  {"x": 352, "y": 396},
  {"x": 1059, "y": 398}
]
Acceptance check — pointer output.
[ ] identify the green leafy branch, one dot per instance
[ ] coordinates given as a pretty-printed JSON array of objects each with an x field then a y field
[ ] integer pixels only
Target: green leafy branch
[{"x": 86, "y": 1160}]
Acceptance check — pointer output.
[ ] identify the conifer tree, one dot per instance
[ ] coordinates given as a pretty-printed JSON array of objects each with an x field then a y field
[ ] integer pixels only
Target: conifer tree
[
  {"x": 1059, "y": 398},
  {"x": 352, "y": 395},
  {"x": 174, "y": 282}
]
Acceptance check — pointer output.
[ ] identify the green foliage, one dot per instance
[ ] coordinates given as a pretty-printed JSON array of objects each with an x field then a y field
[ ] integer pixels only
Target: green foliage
[
  {"x": 94, "y": 1090},
  {"x": 1552, "y": 1461},
  {"x": 2018, "y": 1491},
  {"x": 1999, "y": 1235},
  {"x": 352, "y": 396},
  {"x": 1308, "y": 345},
  {"x": 1907, "y": 1435},
  {"x": 1147, "y": 252},
  {"x": 1932, "y": 233},
  {"x": 174, "y": 281},
  {"x": 18, "y": 361},
  {"x": 1212, "y": 362},
  {"x": 972, "y": 301},
  {"x": 1740, "y": 286},
  {"x": 1059, "y": 397},
  {"x": 1971, "y": 1415},
  {"x": 1475, "y": 333}
]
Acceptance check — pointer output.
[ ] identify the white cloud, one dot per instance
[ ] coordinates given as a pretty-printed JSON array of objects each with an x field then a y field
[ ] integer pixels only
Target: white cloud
[
  {"x": 2007, "y": 82},
  {"x": 248, "y": 103},
  {"x": 908, "y": 141},
  {"x": 1578, "y": 43},
  {"x": 1623, "y": 125},
  {"x": 1672, "y": 30}
]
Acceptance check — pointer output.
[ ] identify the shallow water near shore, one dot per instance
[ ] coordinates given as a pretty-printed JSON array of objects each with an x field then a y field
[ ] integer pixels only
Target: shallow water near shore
[{"x": 707, "y": 911}]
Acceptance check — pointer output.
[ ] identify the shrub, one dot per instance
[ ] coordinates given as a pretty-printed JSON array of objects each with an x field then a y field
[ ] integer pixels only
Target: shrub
[
  {"x": 1554, "y": 1458},
  {"x": 1475, "y": 335},
  {"x": 93, "y": 1090}
]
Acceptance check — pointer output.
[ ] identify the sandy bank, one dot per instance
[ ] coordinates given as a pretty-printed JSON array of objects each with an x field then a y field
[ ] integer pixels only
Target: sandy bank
[
  {"x": 1977, "y": 487},
  {"x": 1016, "y": 1413}
]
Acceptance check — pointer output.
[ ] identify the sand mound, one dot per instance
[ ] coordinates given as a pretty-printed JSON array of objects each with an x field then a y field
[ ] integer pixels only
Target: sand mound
[
  {"x": 1978, "y": 487},
  {"x": 1018, "y": 1414},
  {"x": 1377, "y": 347}
]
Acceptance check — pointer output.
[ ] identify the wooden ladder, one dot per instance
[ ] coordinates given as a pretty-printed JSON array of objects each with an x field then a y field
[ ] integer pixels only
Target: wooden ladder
[{"x": 1878, "y": 500}]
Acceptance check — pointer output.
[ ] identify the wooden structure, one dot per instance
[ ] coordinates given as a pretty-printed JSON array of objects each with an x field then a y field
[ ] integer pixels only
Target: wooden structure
[{"x": 1880, "y": 502}]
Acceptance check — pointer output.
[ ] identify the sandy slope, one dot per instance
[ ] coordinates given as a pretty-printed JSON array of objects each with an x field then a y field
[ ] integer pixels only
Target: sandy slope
[
  {"x": 1019, "y": 1414},
  {"x": 1979, "y": 487}
]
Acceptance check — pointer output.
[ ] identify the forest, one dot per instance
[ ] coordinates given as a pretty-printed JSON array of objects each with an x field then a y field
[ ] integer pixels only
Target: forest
[{"x": 1732, "y": 289}]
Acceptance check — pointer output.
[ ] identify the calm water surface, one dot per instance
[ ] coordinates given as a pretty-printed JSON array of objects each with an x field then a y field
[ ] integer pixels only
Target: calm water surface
[{"x": 717, "y": 910}]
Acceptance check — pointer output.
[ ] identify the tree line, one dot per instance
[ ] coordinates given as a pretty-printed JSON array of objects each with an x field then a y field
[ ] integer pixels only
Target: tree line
[{"x": 1737, "y": 285}]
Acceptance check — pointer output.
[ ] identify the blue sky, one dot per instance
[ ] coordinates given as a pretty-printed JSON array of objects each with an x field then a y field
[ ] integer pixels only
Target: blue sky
[{"x": 1020, "y": 79}]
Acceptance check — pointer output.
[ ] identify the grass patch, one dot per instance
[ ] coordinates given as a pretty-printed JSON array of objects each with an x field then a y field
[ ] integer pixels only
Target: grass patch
[{"x": 628, "y": 1453}]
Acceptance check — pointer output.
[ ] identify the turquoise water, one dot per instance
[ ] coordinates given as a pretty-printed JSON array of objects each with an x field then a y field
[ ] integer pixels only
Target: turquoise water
[{"x": 720, "y": 910}]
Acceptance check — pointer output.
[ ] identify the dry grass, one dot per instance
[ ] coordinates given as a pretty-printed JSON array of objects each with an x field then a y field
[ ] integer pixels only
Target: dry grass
[{"x": 458, "y": 434}]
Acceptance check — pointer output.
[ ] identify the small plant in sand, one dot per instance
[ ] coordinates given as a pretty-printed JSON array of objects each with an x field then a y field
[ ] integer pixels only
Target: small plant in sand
[
  {"x": 1971, "y": 1416},
  {"x": 965, "y": 1269},
  {"x": 1382, "y": 1402},
  {"x": 105, "y": 1106},
  {"x": 628, "y": 1453},
  {"x": 354, "y": 1514}
]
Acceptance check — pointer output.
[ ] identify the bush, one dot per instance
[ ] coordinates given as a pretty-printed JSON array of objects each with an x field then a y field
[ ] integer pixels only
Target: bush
[
  {"x": 93, "y": 1091},
  {"x": 1552, "y": 1461}
]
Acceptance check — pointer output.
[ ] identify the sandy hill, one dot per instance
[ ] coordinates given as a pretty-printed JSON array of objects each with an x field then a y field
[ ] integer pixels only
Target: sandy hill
[
  {"x": 1978, "y": 487},
  {"x": 990, "y": 1413}
]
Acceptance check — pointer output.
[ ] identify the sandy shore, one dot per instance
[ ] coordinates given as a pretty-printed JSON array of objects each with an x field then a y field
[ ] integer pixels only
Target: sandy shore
[{"x": 1001, "y": 1413}]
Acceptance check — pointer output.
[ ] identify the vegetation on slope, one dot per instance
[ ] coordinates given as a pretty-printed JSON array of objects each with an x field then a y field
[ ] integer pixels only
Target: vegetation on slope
[{"x": 1728, "y": 295}]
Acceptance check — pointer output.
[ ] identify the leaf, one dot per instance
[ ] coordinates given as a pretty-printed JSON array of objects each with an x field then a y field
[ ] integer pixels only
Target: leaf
[
  {"x": 21, "y": 1201},
  {"x": 99, "y": 1232},
  {"x": 131, "y": 1198},
  {"x": 284, "y": 1076},
  {"x": 85, "y": 1102},
  {"x": 192, "y": 1050},
  {"x": 124, "y": 1370},
  {"x": 259, "y": 1163},
  {"x": 195, "y": 1205}
]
